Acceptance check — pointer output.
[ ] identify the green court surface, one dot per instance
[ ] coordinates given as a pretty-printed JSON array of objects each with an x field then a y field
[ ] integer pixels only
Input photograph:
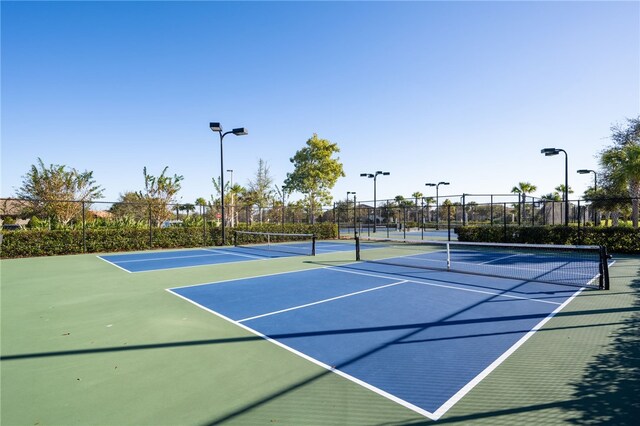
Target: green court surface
[{"x": 86, "y": 343}]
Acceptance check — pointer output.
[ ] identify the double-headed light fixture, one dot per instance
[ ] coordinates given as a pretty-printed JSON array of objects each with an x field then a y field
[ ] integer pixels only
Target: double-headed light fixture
[
  {"x": 548, "y": 152},
  {"x": 595, "y": 187},
  {"x": 437, "y": 185},
  {"x": 240, "y": 131},
  {"x": 374, "y": 176}
]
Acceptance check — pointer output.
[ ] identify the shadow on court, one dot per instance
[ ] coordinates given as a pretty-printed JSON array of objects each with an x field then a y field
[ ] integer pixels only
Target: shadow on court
[
  {"x": 244, "y": 339},
  {"x": 608, "y": 392},
  {"x": 605, "y": 393}
]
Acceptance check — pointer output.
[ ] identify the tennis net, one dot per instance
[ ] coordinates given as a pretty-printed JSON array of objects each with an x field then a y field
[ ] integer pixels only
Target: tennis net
[
  {"x": 300, "y": 244},
  {"x": 583, "y": 266}
]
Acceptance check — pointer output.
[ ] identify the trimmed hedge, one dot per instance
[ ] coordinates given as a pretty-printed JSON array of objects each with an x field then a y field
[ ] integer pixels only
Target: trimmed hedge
[
  {"x": 31, "y": 243},
  {"x": 617, "y": 240}
]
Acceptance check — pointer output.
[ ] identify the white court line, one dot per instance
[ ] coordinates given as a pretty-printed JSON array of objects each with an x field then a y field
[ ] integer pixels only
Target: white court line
[
  {"x": 364, "y": 384},
  {"x": 432, "y": 284},
  {"x": 471, "y": 384},
  {"x": 322, "y": 301},
  {"x": 495, "y": 260},
  {"x": 451, "y": 401},
  {"x": 246, "y": 278},
  {"x": 153, "y": 259},
  {"x": 111, "y": 263},
  {"x": 238, "y": 254}
]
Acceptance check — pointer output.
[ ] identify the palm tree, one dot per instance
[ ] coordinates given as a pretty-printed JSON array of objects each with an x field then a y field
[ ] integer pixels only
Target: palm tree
[
  {"x": 201, "y": 202},
  {"x": 552, "y": 196},
  {"x": 188, "y": 208},
  {"x": 623, "y": 165},
  {"x": 416, "y": 195},
  {"x": 560, "y": 190},
  {"x": 523, "y": 189},
  {"x": 428, "y": 201}
]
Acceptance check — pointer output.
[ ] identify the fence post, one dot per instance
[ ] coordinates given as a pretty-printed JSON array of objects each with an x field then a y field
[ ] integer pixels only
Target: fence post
[
  {"x": 386, "y": 214},
  {"x": 84, "y": 231},
  {"x": 150, "y": 229},
  {"x": 464, "y": 210},
  {"x": 504, "y": 224},
  {"x": 334, "y": 219},
  {"x": 203, "y": 213},
  {"x": 491, "y": 212},
  {"x": 533, "y": 211},
  {"x": 404, "y": 222},
  {"x": 422, "y": 218},
  {"x": 449, "y": 222},
  {"x": 579, "y": 236}
]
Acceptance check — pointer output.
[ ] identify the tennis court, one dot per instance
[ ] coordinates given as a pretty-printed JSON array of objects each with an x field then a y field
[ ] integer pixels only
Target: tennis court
[
  {"x": 316, "y": 339},
  {"x": 421, "y": 339},
  {"x": 171, "y": 259}
]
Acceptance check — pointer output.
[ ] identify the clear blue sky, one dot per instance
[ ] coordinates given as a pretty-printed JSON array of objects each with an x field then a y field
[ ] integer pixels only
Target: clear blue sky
[{"x": 467, "y": 92}]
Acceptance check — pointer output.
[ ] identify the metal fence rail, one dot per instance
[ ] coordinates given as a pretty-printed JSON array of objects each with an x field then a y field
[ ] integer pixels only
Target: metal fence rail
[{"x": 388, "y": 216}]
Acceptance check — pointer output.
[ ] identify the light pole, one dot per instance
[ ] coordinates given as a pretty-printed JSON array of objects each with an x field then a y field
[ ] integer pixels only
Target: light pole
[
  {"x": 233, "y": 207},
  {"x": 284, "y": 193},
  {"x": 240, "y": 131},
  {"x": 437, "y": 185},
  {"x": 548, "y": 152},
  {"x": 595, "y": 187},
  {"x": 375, "y": 177}
]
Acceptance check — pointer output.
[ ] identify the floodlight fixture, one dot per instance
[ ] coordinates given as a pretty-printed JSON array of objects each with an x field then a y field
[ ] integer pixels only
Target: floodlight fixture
[
  {"x": 548, "y": 152},
  {"x": 240, "y": 131},
  {"x": 375, "y": 177}
]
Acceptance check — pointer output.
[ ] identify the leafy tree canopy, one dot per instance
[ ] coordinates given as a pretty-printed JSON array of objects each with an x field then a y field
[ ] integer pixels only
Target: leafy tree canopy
[
  {"x": 159, "y": 192},
  {"x": 316, "y": 171},
  {"x": 621, "y": 162},
  {"x": 52, "y": 188},
  {"x": 260, "y": 187}
]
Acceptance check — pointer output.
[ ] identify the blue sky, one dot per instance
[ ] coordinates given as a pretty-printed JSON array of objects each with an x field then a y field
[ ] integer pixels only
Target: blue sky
[{"x": 465, "y": 92}]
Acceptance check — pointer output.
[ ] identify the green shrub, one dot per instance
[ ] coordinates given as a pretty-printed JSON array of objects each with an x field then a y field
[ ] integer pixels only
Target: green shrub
[
  {"x": 617, "y": 240},
  {"x": 42, "y": 242}
]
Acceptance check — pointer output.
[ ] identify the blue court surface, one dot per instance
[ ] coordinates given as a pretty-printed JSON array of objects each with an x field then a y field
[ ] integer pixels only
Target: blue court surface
[
  {"x": 420, "y": 338},
  {"x": 153, "y": 261}
]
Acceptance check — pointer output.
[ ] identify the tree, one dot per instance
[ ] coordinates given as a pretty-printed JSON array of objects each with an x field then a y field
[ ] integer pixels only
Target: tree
[
  {"x": 315, "y": 172},
  {"x": 447, "y": 205},
  {"x": 417, "y": 195},
  {"x": 523, "y": 189},
  {"x": 428, "y": 201},
  {"x": 621, "y": 162},
  {"x": 188, "y": 207},
  {"x": 158, "y": 193},
  {"x": 201, "y": 203},
  {"x": 560, "y": 190},
  {"x": 130, "y": 206},
  {"x": 55, "y": 190},
  {"x": 260, "y": 187},
  {"x": 552, "y": 196}
]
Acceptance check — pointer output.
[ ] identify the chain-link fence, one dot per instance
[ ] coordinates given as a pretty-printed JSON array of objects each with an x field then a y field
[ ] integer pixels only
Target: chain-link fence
[{"x": 203, "y": 222}]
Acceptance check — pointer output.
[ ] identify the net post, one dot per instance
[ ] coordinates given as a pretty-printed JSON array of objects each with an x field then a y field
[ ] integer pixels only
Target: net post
[
  {"x": 604, "y": 268},
  {"x": 313, "y": 245},
  {"x": 357, "y": 247},
  {"x": 235, "y": 238},
  {"x": 448, "y": 256}
]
